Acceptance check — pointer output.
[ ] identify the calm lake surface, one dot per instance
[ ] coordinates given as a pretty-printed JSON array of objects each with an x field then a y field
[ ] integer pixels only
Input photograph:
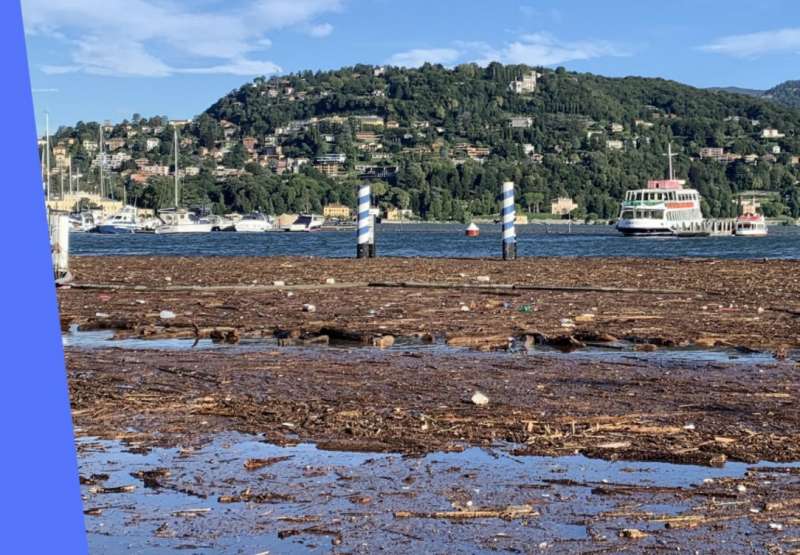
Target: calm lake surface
[{"x": 446, "y": 240}]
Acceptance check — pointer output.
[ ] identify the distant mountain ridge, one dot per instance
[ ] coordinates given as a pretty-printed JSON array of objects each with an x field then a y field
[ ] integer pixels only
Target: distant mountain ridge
[{"x": 787, "y": 93}]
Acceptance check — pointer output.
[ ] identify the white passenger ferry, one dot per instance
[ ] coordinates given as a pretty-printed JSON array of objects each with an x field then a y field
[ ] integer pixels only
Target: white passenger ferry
[{"x": 664, "y": 208}]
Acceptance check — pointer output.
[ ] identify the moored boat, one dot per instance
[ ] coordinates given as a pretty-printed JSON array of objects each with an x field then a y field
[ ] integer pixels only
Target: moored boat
[
  {"x": 124, "y": 221},
  {"x": 181, "y": 221},
  {"x": 307, "y": 222},
  {"x": 253, "y": 222},
  {"x": 82, "y": 221},
  {"x": 751, "y": 225}
]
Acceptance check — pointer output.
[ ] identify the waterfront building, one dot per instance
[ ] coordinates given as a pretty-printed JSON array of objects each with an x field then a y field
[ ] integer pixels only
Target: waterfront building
[{"x": 562, "y": 206}]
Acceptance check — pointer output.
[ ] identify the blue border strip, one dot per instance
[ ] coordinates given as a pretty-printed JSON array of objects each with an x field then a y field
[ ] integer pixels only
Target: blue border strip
[{"x": 41, "y": 504}]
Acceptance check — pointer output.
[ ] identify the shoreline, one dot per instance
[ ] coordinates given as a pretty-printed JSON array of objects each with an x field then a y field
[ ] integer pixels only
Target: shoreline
[{"x": 335, "y": 404}]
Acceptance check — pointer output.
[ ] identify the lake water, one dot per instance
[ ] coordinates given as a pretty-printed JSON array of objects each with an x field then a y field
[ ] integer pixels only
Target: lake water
[{"x": 444, "y": 240}]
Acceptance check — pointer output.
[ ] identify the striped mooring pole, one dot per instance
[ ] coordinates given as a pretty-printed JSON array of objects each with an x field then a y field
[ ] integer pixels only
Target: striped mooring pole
[
  {"x": 508, "y": 215},
  {"x": 366, "y": 236}
]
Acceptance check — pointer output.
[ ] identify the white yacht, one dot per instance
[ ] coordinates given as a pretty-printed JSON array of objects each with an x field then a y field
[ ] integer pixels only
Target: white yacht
[
  {"x": 181, "y": 221},
  {"x": 307, "y": 222},
  {"x": 82, "y": 221},
  {"x": 226, "y": 222},
  {"x": 124, "y": 221},
  {"x": 253, "y": 222}
]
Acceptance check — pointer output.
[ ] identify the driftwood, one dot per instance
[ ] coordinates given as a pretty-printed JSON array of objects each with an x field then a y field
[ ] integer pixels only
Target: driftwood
[
  {"x": 251, "y": 287},
  {"x": 524, "y": 287},
  {"x": 507, "y": 513},
  {"x": 500, "y": 287}
]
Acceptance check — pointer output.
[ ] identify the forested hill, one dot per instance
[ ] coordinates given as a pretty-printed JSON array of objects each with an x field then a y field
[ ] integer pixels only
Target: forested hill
[
  {"x": 440, "y": 141},
  {"x": 787, "y": 93}
]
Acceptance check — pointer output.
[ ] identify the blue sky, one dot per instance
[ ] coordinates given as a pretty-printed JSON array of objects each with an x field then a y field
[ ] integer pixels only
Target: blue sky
[{"x": 106, "y": 59}]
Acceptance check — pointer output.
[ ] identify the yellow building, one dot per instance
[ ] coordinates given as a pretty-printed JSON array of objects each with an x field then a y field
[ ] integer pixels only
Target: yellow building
[
  {"x": 68, "y": 202},
  {"x": 562, "y": 206},
  {"x": 336, "y": 212},
  {"x": 105, "y": 205},
  {"x": 398, "y": 214}
]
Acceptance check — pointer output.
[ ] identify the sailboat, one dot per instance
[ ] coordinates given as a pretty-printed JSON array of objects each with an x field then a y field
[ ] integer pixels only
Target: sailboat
[{"x": 180, "y": 220}]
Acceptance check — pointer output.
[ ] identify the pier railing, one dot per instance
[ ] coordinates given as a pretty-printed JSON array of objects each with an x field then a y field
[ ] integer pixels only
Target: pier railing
[{"x": 714, "y": 226}]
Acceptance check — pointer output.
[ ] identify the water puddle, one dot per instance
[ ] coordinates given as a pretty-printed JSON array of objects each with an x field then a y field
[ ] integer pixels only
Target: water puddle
[
  {"x": 104, "y": 339},
  {"x": 607, "y": 352},
  {"x": 623, "y": 352},
  {"x": 302, "y": 499}
]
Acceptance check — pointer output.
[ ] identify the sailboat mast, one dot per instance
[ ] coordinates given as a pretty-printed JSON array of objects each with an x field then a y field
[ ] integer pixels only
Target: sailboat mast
[
  {"x": 669, "y": 154},
  {"x": 69, "y": 161},
  {"x": 102, "y": 156},
  {"x": 175, "y": 144},
  {"x": 47, "y": 146}
]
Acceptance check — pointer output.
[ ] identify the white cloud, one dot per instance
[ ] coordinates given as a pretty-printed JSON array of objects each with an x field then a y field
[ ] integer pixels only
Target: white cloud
[
  {"x": 236, "y": 67},
  {"x": 136, "y": 37},
  {"x": 542, "y": 49},
  {"x": 320, "y": 31},
  {"x": 535, "y": 49},
  {"x": 285, "y": 13},
  {"x": 752, "y": 45},
  {"x": 418, "y": 56},
  {"x": 534, "y": 13}
]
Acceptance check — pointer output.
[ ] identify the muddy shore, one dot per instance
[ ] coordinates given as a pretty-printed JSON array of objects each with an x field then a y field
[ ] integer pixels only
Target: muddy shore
[
  {"x": 382, "y": 358},
  {"x": 414, "y": 403},
  {"x": 475, "y": 303}
]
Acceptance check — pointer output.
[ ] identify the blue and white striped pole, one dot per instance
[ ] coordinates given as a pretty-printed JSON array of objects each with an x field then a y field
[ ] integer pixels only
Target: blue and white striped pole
[
  {"x": 365, "y": 235},
  {"x": 508, "y": 215}
]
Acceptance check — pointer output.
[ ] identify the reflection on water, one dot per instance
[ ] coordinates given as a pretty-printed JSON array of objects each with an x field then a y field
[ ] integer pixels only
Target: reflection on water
[
  {"x": 444, "y": 241},
  {"x": 355, "y": 495}
]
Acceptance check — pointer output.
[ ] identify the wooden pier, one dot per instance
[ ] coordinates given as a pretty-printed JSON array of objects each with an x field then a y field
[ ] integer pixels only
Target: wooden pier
[{"x": 706, "y": 228}]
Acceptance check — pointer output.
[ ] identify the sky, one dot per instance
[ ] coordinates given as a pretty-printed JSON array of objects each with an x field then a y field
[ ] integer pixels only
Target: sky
[{"x": 97, "y": 60}]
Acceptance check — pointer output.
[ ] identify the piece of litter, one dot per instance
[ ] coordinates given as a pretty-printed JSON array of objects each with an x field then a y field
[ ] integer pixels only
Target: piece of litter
[
  {"x": 166, "y": 315},
  {"x": 479, "y": 399}
]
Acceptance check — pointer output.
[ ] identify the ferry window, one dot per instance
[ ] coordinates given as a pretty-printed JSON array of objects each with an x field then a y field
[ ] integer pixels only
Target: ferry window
[
  {"x": 627, "y": 215},
  {"x": 658, "y": 214}
]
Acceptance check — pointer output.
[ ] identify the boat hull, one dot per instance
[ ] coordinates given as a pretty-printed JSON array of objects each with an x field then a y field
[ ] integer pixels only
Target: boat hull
[
  {"x": 646, "y": 232},
  {"x": 115, "y": 229},
  {"x": 188, "y": 228},
  {"x": 251, "y": 227}
]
